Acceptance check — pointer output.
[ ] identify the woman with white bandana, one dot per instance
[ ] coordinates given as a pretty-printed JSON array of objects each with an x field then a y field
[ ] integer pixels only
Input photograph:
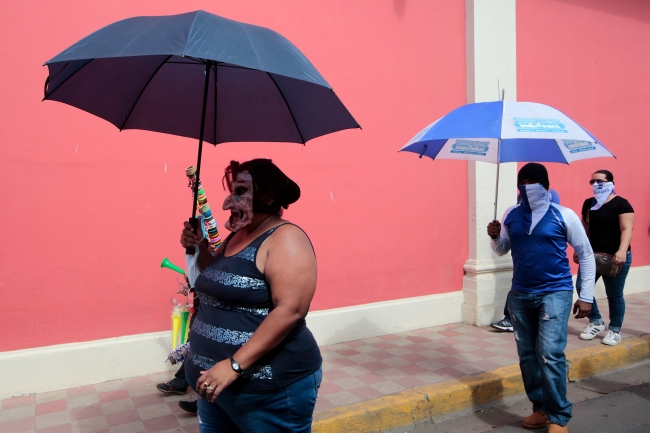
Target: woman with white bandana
[
  {"x": 253, "y": 362},
  {"x": 537, "y": 232},
  {"x": 609, "y": 219}
]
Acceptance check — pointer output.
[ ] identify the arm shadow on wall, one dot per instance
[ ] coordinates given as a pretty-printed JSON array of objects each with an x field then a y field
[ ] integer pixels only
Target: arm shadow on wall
[
  {"x": 399, "y": 6},
  {"x": 635, "y": 9}
]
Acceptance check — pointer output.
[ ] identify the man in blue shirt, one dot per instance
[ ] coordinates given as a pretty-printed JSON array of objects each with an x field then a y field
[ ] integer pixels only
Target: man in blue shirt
[
  {"x": 505, "y": 324},
  {"x": 537, "y": 232}
]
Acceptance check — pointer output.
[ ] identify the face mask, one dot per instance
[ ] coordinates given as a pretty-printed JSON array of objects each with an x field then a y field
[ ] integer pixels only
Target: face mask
[
  {"x": 601, "y": 193},
  {"x": 535, "y": 202},
  {"x": 554, "y": 197},
  {"x": 240, "y": 202}
]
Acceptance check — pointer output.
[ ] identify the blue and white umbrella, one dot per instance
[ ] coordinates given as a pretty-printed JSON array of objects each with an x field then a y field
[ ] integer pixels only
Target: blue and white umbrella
[{"x": 505, "y": 131}]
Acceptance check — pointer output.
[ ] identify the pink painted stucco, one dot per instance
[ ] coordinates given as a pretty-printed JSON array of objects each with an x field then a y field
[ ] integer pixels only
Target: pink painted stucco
[
  {"x": 88, "y": 212},
  {"x": 591, "y": 60}
]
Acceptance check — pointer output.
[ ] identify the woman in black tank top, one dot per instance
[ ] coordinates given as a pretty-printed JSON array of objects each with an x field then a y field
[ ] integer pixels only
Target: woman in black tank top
[{"x": 252, "y": 360}]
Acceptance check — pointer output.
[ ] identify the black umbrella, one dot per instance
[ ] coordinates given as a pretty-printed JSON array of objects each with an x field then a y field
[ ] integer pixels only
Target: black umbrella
[{"x": 197, "y": 75}]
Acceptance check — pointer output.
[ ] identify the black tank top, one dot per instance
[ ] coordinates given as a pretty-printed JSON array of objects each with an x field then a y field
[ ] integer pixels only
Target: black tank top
[{"x": 235, "y": 299}]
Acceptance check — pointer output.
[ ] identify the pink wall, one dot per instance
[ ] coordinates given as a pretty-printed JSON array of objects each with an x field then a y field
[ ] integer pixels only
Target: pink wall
[
  {"x": 591, "y": 60},
  {"x": 89, "y": 212}
]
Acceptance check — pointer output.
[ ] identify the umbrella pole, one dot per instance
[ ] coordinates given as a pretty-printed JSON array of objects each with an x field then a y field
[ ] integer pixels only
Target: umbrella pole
[
  {"x": 194, "y": 222},
  {"x": 496, "y": 192}
]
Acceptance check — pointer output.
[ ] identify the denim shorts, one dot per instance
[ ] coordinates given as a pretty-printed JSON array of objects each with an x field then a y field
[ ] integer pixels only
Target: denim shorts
[{"x": 289, "y": 409}]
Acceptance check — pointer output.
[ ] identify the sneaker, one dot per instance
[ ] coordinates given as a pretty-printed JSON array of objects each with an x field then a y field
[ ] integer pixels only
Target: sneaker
[
  {"x": 503, "y": 325},
  {"x": 591, "y": 331},
  {"x": 612, "y": 338},
  {"x": 168, "y": 388},
  {"x": 190, "y": 406}
]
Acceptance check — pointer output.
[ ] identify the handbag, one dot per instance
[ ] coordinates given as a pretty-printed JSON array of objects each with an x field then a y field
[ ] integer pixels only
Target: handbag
[
  {"x": 605, "y": 265},
  {"x": 604, "y": 262}
]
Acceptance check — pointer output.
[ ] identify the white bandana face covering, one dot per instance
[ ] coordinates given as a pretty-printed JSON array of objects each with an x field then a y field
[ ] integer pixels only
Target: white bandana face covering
[
  {"x": 535, "y": 202},
  {"x": 601, "y": 193},
  {"x": 240, "y": 202}
]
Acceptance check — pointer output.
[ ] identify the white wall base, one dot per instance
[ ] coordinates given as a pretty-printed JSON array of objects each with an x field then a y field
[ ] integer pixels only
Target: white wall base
[
  {"x": 637, "y": 281},
  {"x": 485, "y": 287},
  {"x": 67, "y": 365},
  {"x": 380, "y": 318}
]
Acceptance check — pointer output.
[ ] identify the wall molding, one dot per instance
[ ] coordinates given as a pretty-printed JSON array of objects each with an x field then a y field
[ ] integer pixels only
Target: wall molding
[
  {"x": 62, "y": 366},
  {"x": 381, "y": 318}
]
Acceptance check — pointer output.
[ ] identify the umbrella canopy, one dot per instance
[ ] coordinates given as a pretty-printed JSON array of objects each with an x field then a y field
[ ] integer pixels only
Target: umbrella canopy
[
  {"x": 504, "y": 131},
  {"x": 155, "y": 73},
  {"x": 197, "y": 75}
]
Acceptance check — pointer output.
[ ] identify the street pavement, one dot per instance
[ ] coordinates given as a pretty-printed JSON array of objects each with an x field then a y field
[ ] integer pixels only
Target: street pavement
[{"x": 612, "y": 402}]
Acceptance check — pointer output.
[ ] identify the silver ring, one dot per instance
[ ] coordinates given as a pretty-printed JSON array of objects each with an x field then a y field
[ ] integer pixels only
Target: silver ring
[
  {"x": 206, "y": 384},
  {"x": 209, "y": 387}
]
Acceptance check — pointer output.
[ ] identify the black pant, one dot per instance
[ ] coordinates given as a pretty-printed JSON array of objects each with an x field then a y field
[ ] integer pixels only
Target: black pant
[{"x": 179, "y": 381}]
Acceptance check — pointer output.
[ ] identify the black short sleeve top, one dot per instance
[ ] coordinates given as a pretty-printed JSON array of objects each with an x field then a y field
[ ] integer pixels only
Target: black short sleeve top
[{"x": 604, "y": 225}]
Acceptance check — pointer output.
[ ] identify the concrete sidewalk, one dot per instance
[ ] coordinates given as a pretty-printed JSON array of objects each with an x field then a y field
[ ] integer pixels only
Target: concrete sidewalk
[{"x": 369, "y": 385}]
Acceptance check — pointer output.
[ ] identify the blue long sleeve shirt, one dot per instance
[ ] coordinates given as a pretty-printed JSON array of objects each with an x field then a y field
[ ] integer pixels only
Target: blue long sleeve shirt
[{"x": 540, "y": 258}]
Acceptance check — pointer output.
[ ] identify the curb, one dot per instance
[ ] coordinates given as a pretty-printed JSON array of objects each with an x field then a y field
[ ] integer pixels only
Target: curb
[{"x": 415, "y": 406}]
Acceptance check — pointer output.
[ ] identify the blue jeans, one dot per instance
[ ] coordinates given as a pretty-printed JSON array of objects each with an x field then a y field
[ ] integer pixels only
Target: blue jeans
[
  {"x": 287, "y": 410},
  {"x": 614, "y": 289},
  {"x": 506, "y": 312},
  {"x": 540, "y": 322}
]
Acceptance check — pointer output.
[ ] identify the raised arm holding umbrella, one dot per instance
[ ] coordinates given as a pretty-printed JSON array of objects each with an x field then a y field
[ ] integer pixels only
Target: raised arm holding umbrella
[
  {"x": 202, "y": 76},
  {"x": 197, "y": 75},
  {"x": 535, "y": 230}
]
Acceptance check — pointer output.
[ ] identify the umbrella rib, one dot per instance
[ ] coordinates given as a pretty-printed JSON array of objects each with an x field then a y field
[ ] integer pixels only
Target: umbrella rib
[
  {"x": 230, "y": 65},
  {"x": 257, "y": 56},
  {"x": 215, "y": 103},
  {"x": 64, "y": 81},
  {"x": 186, "y": 63},
  {"x": 288, "y": 107},
  {"x": 142, "y": 91},
  {"x": 196, "y": 59}
]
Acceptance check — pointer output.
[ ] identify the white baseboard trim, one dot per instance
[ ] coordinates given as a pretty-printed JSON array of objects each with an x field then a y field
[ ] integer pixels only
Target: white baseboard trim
[
  {"x": 75, "y": 364},
  {"x": 62, "y": 366},
  {"x": 381, "y": 318},
  {"x": 637, "y": 281}
]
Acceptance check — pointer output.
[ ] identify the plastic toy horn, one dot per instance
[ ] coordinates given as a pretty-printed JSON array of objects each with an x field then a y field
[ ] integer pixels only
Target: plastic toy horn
[
  {"x": 169, "y": 265},
  {"x": 176, "y": 325},
  {"x": 185, "y": 328},
  {"x": 204, "y": 208}
]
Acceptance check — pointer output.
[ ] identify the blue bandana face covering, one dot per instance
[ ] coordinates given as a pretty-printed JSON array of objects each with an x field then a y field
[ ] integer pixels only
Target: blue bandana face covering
[
  {"x": 535, "y": 202},
  {"x": 601, "y": 194}
]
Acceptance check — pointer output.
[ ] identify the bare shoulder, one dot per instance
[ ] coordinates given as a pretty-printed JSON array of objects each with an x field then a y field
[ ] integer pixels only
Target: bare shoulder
[{"x": 291, "y": 236}]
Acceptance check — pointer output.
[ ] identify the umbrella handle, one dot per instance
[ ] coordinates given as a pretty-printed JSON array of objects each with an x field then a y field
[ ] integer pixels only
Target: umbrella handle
[{"x": 194, "y": 222}]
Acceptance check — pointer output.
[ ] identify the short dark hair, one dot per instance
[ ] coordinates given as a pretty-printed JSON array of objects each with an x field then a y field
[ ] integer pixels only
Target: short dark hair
[
  {"x": 273, "y": 191},
  {"x": 608, "y": 175}
]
